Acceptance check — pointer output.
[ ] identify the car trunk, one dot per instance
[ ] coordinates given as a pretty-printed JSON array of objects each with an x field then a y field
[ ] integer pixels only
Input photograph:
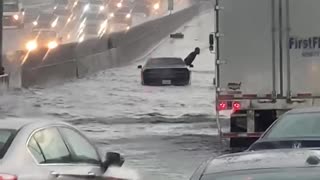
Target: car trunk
[{"x": 166, "y": 76}]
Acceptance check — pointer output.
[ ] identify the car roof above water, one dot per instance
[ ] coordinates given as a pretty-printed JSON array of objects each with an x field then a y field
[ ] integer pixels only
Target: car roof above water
[
  {"x": 266, "y": 159},
  {"x": 165, "y": 62}
]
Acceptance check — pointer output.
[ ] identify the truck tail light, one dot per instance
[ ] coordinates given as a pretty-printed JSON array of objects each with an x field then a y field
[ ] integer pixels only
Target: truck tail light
[
  {"x": 222, "y": 106},
  {"x": 8, "y": 177},
  {"x": 236, "y": 106}
]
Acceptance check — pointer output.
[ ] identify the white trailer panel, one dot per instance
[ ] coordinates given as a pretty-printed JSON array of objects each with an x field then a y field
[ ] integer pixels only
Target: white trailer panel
[
  {"x": 248, "y": 46},
  {"x": 304, "y": 46}
]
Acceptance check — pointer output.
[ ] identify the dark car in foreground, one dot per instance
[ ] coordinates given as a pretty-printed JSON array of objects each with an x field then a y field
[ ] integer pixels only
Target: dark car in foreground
[
  {"x": 165, "y": 71},
  {"x": 298, "y": 128},
  {"x": 36, "y": 149},
  {"x": 288, "y": 164}
]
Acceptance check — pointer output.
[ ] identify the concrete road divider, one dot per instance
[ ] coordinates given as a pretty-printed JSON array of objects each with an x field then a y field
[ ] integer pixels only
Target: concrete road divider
[{"x": 76, "y": 60}]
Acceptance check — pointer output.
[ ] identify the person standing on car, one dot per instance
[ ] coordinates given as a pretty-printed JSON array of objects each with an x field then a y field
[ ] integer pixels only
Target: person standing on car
[{"x": 190, "y": 58}]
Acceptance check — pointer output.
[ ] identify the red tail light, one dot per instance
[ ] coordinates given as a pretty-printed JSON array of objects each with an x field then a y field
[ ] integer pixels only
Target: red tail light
[
  {"x": 236, "y": 106},
  {"x": 222, "y": 106},
  {"x": 8, "y": 177}
]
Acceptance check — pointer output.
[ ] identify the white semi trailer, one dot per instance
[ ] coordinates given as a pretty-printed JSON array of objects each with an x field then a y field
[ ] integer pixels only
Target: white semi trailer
[{"x": 267, "y": 62}]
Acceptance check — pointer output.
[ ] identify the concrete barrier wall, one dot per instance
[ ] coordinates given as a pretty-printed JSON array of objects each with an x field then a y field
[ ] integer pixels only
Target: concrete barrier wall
[{"x": 73, "y": 60}]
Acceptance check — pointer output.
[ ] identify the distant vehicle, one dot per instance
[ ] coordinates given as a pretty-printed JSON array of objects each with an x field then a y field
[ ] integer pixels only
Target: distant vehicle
[
  {"x": 92, "y": 26},
  {"x": 285, "y": 164},
  {"x": 165, "y": 71},
  {"x": 298, "y": 128},
  {"x": 42, "y": 39},
  {"x": 45, "y": 21},
  {"x": 121, "y": 16},
  {"x": 114, "y": 5},
  {"x": 49, "y": 150},
  {"x": 147, "y": 7},
  {"x": 13, "y": 14},
  {"x": 94, "y": 7},
  {"x": 63, "y": 7}
]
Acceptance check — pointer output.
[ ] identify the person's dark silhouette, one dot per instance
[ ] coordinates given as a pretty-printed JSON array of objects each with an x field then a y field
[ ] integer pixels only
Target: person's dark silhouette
[
  {"x": 190, "y": 58},
  {"x": 1, "y": 70}
]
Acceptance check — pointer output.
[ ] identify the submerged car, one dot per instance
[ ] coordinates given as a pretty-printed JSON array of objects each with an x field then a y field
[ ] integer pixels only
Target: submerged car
[
  {"x": 43, "y": 39},
  {"x": 49, "y": 150},
  {"x": 298, "y": 128},
  {"x": 165, "y": 71},
  {"x": 45, "y": 21},
  {"x": 288, "y": 164}
]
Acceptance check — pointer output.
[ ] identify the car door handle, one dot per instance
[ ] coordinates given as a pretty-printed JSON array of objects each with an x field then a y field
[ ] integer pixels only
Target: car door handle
[{"x": 54, "y": 173}]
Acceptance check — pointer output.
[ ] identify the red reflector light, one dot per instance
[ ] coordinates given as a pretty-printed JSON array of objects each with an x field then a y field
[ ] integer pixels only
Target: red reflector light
[
  {"x": 222, "y": 106},
  {"x": 8, "y": 177},
  {"x": 236, "y": 106}
]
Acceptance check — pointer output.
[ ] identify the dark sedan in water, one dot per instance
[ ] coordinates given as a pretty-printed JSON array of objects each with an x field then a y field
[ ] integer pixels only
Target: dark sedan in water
[
  {"x": 165, "y": 71},
  {"x": 298, "y": 128},
  {"x": 287, "y": 164}
]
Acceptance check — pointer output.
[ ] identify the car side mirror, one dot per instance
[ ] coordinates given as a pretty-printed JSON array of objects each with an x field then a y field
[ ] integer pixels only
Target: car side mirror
[
  {"x": 211, "y": 42},
  {"x": 191, "y": 66},
  {"x": 139, "y": 67},
  {"x": 113, "y": 159}
]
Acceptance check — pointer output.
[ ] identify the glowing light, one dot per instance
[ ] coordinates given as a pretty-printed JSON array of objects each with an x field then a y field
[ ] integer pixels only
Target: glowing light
[
  {"x": 86, "y": 8},
  {"x": 16, "y": 17},
  {"x": 52, "y": 44},
  {"x": 128, "y": 16},
  {"x": 35, "y": 23},
  {"x": 156, "y": 6},
  {"x": 119, "y": 5},
  {"x": 101, "y": 8},
  {"x": 54, "y": 23},
  {"x": 32, "y": 45}
]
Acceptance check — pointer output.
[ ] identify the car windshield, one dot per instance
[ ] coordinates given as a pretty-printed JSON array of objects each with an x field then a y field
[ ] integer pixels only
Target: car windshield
[
  {"x": 10, "y": 8},
  {"x": 124, "y": 10},
  {"x": 46, "y": 18},
  {"x": 6, "y": 137},
  {"x": 43, "y": 34},
  {"x": 268, "y": 174},
  {"x": 296, "y": 125}
]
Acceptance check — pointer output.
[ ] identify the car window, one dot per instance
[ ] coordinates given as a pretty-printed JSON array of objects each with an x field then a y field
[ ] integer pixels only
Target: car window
[
  {"x": 52, "y": 146},
  {"x": 6, "y": 137},
  {"x": 35, "y": 150},
  {"x": 296, "y": 125},
  {"x": 82, "y": 150}
]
